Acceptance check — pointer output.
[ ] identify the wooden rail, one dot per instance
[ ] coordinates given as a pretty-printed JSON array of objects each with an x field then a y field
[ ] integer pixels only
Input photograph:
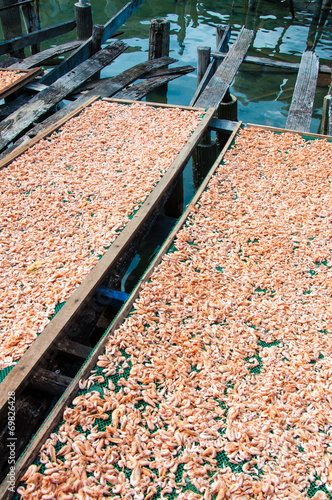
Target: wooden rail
[{"x": 36, "y": 37}]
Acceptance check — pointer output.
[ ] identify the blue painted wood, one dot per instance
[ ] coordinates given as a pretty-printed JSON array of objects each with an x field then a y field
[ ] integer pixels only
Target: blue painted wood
[
  {"x": 84, "y": 51},
  {"x": 107, "y": 296}
]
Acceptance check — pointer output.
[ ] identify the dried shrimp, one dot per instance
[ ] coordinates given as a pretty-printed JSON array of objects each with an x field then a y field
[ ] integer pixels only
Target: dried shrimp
[
  {"x": 218, "y": 385},
  {"x": 9, "y": 77},
  {"x": 64, "y": 201}
]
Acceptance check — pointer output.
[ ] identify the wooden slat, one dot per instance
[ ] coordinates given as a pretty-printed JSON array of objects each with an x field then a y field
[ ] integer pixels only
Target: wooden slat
[
  {"x": 73, "y": 350},
  {"x": 141, "y": 89},
  {"x": 106, "y": 88},
  {"x": 16, "y": 379},
  {"x": 300, "y": 111},
  {"x": 21, "y": 119},
  {"x": 16, "y": 4},
  {"x": 265, "y": 61},
  {"x": 217, "y": 87},
  {"x": 27, "y": 76},
  {"x": 70, "y": 393},
  {"x": 36, "y": 37},
  {"x": 49, "y": 382},
  {"x": 281, "y": 130},
  {"x": 41, "y": 57},
  {"x": 210, "y": 69},
  {"x": 84, "y": 52}
]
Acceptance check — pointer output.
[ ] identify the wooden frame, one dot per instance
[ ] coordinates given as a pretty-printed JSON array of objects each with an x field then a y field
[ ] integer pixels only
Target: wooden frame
[
  {"x": 27, "y": 76},
  {"x": 283, "y": 130},
  {"x": 17, "y": 378},
  {"x": 56, "y": 414}
]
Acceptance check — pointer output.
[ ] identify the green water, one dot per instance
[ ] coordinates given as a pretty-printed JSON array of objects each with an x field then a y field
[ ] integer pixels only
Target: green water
[{"x": 264, "y": 94}]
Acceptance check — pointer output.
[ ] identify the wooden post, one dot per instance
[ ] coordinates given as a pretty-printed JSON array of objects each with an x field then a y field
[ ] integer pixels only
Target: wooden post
[
  {"x": 325, "y": 123},
  {"x": 11, "y": 25},
  {"x": 203, "y": 60},
  {"x": 97, "y": 36},
  {"x": 205, "y": 153},
  {"x": 83, "y": 16},
  {"x": 159, "y": 38}
]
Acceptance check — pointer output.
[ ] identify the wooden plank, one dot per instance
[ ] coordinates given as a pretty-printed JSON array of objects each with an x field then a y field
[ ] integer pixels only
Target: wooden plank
[
  {"x": 218, "y": 124},
  {"x": 49, "y": 382},
  {"x": 56, "y": 414},
  {"x": 84, "y": 52},
  {"x": 73, "y": 350},
  {"x": 41, "y": 57},
  {"x": 9, "y": 61},
  {"x": 300, "y": 111},
  {"x": 21, "y": 119},
  {"x": 36, "y": 37},
  {"x": 210, "y": 69},
  {"x": 179, "y": 70},
  {"x": 265, "y": 61},
  {"x": 18, "y": 376},
  {"x": 141, "y": 89},
  {"x": 17, "y": 4},
  {"x": 217, "y": 87},
  {"x": 106, "y": 88},
  {"x": 27, "y": 76}
]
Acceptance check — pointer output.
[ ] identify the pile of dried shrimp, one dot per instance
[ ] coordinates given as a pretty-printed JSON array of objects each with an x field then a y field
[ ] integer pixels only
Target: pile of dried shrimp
[
  {"x": 9, "y": 77},
  {"x": 219, "y": 384},
  {"x": 66, "y": 199}
]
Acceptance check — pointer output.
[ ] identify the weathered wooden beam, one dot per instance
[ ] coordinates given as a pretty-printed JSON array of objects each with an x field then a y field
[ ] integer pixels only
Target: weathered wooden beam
[
  {"x": 36, "y": 37},
  {"x": 17, "y": 4},
  {"x": 84, "y": 52},
  {"x": 41, "y": 57},
  {"x": 107, "y": 88},
  {"x": 211, "y": 67},
  {"x": 23, "y": 118},
  {"x": 141, "y": 89},
  {"x": 265, "y": 61},
  {"x": 300, "y": 111},
  {"x": 9, "y": 61},
  {"x": 179, "y": 70},
  {"x": 217, "y": 87},
  {"x": 73, "y": 350},
  {"x": 49, "y": 382}
]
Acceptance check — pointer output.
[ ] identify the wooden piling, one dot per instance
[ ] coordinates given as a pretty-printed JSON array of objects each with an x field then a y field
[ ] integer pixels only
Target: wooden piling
[
  {"x": 159, "y": 38},
  {"x": 83, "y": 16},
  {"x": 203, "y": 61},
  {"x": 31, "y": 22},
  {"x": 11, "y": 25}
]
